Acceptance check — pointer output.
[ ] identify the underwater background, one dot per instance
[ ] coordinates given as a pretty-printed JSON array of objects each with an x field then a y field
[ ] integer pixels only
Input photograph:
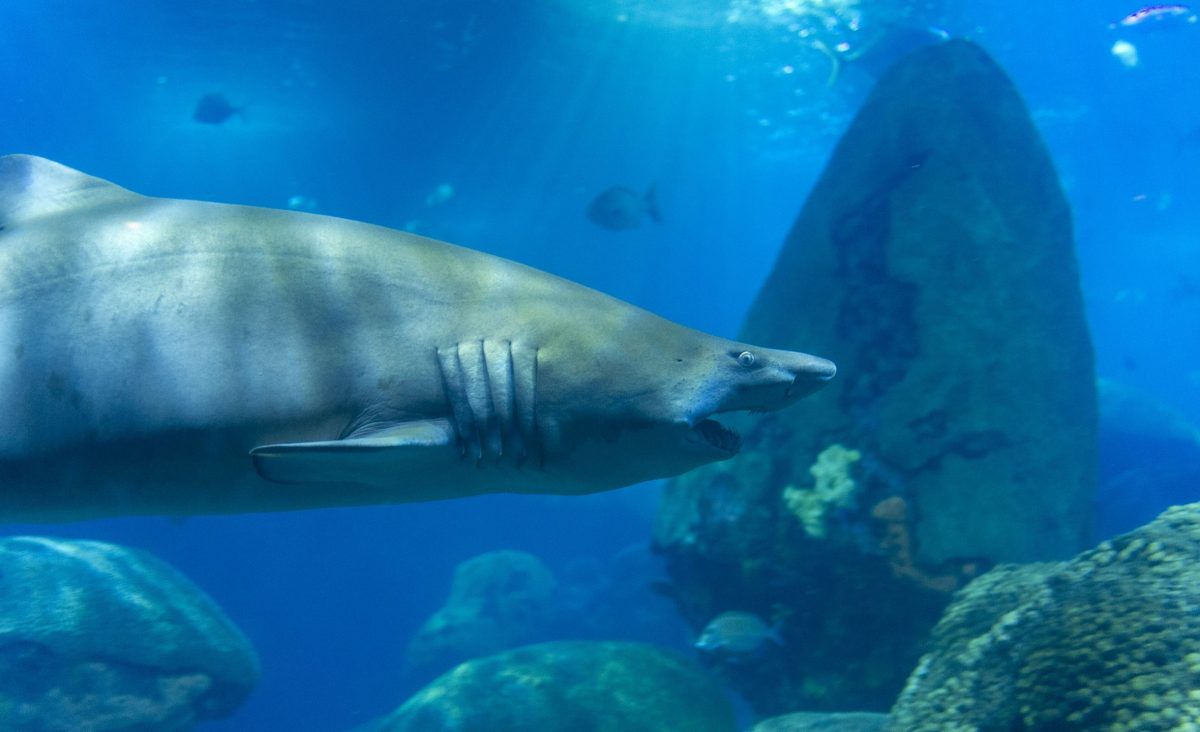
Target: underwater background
[{"x": 494, "y": 125}]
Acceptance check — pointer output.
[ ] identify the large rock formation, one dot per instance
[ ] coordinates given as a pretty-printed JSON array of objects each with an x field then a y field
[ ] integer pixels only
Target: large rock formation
[
  {"x": 933, "y": 263},
  {"x": 566, "y": 687},
  {"x": 99, "y": 637},
  {"x": 1109, "y": 640}
]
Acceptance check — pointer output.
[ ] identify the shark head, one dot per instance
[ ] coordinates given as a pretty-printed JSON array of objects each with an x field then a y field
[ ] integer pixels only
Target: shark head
[{"x": 649, "y": 405}]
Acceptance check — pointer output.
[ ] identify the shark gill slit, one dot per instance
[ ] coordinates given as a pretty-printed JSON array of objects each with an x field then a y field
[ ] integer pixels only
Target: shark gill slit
[
  {"x": 533, "y": 428},
  {"x": 474, "y": 446},
  {"x": 479, "y": 395},
  {"x": 452, "y": 388},
  {"x": 524, "y": 369},
  {"x": 498, "y": 357}
]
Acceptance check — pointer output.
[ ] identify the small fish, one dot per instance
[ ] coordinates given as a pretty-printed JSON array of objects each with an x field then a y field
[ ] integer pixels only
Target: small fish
[
  {"x": 621, "y": 208},
  {"x": 1155, "y": 12},
  {"x": 215, "y": 109},
  {"x": 737, "y": 634}
]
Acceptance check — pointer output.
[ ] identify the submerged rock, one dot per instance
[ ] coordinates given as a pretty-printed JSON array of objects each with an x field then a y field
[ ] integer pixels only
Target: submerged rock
[
  {"x": 934, "y": 263},
  {"x": 1109, "y": 640},
  {"x": 821, "y": 722},
  {"x": 498, "y": 600},
  {"x": 567, "y": 687},
  {"x": 99, "y": 637},
  {"x": 1149, "y": 459}
]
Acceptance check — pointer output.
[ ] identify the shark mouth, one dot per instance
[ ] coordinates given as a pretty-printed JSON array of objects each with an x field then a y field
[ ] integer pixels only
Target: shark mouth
[{"x": 719, "y": 436}]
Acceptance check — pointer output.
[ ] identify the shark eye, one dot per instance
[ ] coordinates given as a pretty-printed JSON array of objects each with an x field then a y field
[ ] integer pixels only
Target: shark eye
[{"x": 746, "y": 359}]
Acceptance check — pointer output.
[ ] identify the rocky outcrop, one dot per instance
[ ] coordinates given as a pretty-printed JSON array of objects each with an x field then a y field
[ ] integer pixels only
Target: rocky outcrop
[
  {"x": 1108, "y": 641},
  {"x": 933, "y": 262},
  {"x": 99, "y": 637},
  {"x": 566, "y": 687}
]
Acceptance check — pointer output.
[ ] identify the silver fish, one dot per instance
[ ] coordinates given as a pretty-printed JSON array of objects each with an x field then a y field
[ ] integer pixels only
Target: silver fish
[{"x": 737, "y": 633}]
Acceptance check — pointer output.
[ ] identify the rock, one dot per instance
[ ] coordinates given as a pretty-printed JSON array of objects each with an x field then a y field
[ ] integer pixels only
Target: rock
[
  {"x": 822, "y": 722},
  {"x": 1109, "y": 640},
  {"x": 498, "y": 600},
  {"x": 933, "y": 262},
  {"x": 1149, "y": 459},
  {"x": 569, "y": 686},
  {"x": 104, "y": 638}
]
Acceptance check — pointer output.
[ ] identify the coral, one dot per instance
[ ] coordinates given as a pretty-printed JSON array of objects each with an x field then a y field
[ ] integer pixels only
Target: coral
[
  {"x": 833, "y": 488},
  {"x": 1107, "y": 641}
]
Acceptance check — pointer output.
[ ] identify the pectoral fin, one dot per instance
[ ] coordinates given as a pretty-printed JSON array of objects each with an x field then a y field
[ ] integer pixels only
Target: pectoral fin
[{"x": 384, "y": 455}]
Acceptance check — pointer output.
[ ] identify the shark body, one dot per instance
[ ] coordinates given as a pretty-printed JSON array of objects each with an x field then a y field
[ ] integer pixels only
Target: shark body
[{"x": 162, "y": 356}]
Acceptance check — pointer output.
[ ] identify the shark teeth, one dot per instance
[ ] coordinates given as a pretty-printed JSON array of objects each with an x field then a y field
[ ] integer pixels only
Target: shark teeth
[{"x": 719, "y": 436}]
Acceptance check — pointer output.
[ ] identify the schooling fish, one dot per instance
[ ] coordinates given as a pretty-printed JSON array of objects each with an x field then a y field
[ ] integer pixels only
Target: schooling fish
[
  {"x": 621, "y": 208},
  {"x": 737, "y": 634},
  {"x": 215, "y": 109},
  {"x": 1156, "y": 13},
  {"x": 179, "y": 357}
]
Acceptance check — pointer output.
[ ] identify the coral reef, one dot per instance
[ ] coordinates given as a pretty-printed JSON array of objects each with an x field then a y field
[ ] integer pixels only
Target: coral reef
[
  {"x": 100, "y": 637},
  {"x": 566, "y": 687},
  {"x": 833, "y": 489},
  {"x": 498, "y": 600},
  {"x": 1108, "y": 641},
  {"x": 934, "y": 263}
]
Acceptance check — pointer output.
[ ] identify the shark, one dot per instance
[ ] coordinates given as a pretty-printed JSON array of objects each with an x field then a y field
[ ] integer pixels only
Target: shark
[{"x": 174, "y": 357}]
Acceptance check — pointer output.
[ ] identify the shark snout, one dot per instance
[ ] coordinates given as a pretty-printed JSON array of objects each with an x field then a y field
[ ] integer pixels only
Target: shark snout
[
  {"x": 809, "y": 374},
  {"x": 774, "y": 379}
]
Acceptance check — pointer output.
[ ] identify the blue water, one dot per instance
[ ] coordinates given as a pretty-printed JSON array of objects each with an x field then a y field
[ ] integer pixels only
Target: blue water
[{"x": 527, "y": 110}]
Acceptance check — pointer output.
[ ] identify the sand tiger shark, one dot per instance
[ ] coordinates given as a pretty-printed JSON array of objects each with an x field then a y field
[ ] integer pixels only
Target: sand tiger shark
[{"x": 162, "y": 356}]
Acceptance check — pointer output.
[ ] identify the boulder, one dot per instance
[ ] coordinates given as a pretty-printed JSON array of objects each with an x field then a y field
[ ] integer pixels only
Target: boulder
[
  {"x": 822, "y": 722},
  {"x": 498, "y": 600},
  {"x": 934, "y": 263},
  {"x": 566, "y": 687},
  {"x": 104, "y": 638},
  {"x": 1109, "y": 640},
  {"x": 1149, "y": 458}
]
